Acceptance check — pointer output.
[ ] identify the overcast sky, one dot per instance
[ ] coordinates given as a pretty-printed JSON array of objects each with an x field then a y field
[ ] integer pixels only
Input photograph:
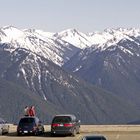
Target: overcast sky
[{"x": 58, "y": 15}]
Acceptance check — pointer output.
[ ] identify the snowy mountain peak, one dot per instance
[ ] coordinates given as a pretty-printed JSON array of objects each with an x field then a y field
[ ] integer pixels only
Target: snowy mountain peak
[
  {"x": 75, "y": 38},
  {"x": 29, "y": 30},
  {"x": 69, "y": 32},
  {"x": 45, "y": 34},
  {"x": 125, "y": 31},
  {"x": 10, "y": 33},
  {"x": 60, "y": 47},
  {"x": 10, "y": 30},
  {"x": 39, "y": 42},
  {"x": 38, "y": 33},
  {"x": 103, "y": 40},
  {"x": 8, "y": 27}
]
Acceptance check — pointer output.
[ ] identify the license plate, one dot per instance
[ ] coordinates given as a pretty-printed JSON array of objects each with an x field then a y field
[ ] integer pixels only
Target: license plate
[
  {"x": 61, "y": 125},
  {"x": 25, "y": 131}
]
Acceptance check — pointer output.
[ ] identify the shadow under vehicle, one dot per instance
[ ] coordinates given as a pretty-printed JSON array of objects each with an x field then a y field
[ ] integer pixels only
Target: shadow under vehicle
[{"x": 94, "y": 137}]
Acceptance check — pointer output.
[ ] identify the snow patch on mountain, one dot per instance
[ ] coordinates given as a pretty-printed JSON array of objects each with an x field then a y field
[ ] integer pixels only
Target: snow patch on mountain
[
  {"x": 125, "y": 50},
  {"x": 77, "y": 69}
]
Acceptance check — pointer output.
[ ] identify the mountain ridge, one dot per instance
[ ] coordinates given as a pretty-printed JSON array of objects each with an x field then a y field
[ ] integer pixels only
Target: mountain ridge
[
  {"x": 68, "y": 41},
  {"x": 79, "y": 73},
  {"x": 44, "y": 83}
]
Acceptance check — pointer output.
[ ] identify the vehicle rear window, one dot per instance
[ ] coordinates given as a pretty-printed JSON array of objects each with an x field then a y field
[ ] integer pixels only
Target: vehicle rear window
[
  {"x": 27, "y": 120},
  {"x": 62, "y": 119}
]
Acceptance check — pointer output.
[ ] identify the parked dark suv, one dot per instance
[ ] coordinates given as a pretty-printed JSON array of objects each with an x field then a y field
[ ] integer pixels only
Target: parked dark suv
[
  {"x": 30, "y": 125},
  {"x": 65, "y": 124}
]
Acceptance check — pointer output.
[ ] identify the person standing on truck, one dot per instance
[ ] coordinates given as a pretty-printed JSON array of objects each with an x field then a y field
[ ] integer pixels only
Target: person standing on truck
[
  {"x": 32, "y": 111},
  {"x": 26, "y": 111}
]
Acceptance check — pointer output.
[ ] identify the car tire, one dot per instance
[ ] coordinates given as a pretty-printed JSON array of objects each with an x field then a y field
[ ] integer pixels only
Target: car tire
[
  {"x": 36, "y": 133},
  {"x": 18, "y": 134},
  {"x": 43, "y": 130},
  {"x": 78, "y": 132},
  {"x": 74, "y": 133},
  {"x": 53, "y": 135},
  {"x": 0, "y": 131},
  {"x": 8, "y": 130}
]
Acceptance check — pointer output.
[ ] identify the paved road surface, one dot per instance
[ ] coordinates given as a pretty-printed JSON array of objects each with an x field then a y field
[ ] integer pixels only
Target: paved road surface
[{"x": 110, "y": 132}]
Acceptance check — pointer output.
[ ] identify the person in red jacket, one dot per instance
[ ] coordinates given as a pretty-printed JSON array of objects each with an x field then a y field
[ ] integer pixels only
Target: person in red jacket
[{"x": 32, "y": 111}]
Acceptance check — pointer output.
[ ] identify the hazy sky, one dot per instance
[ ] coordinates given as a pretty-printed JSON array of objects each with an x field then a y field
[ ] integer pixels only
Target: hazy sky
[{"x": 57, "y": 15}]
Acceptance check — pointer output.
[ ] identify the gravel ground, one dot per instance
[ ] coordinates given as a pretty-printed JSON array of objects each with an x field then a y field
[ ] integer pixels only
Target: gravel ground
[{"x": 111, "y": 132}]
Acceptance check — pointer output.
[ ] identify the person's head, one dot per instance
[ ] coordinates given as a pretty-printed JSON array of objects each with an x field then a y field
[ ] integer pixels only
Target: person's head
[
  {"x": 26, "y": 106},
  {"x": 32, "y": 107}
]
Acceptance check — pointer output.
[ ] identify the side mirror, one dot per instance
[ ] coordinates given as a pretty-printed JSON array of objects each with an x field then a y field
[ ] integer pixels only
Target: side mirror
[{"x": 79, "y": 121}]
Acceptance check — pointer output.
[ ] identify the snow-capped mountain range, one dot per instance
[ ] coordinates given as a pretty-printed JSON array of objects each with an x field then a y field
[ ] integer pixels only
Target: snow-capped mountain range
[
  {"x": 113, "y": 65},
  {"x": 41, "y": 66},
  {"x": 60, "y": 47}
]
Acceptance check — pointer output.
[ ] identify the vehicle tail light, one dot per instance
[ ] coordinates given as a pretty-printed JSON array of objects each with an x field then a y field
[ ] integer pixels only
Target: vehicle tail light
[
  {"x": 55, "y": 125},
  {"x": 68, "y": 125}
]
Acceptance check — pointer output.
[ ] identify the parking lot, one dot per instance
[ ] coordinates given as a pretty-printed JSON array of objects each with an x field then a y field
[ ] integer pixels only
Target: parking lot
[{"x": 110, "y": 132}]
